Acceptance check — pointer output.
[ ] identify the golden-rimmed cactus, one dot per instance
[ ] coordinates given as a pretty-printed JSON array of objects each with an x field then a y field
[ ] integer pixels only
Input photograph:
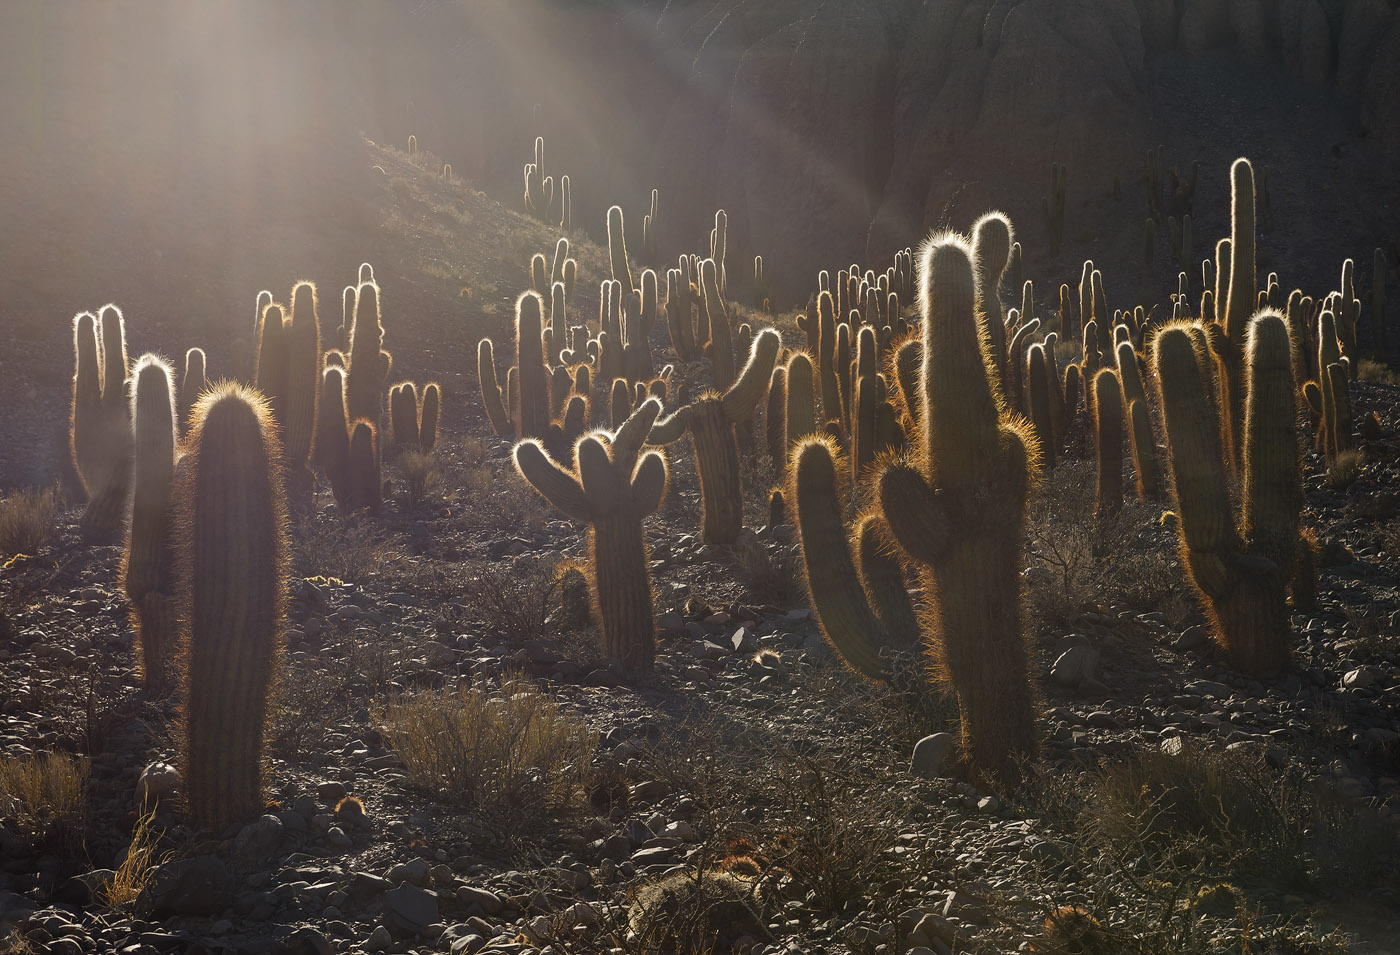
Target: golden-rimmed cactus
[
  {"x": 1240, "y": 563},
  {"x": 1107, "y": 410},
  {"x": 233, "y": 553},
  {"x": 148, "y": 564},
  {"x": 101, "y": 420},
  {"x": 710, "y": 421},
  {"x": 617, "y": 251},
  {"x": 612, "y": 486},
  {"x": 193, "y": 383},
  {"x": 370, "y": 364},
  {"x": 365, "y": 489},
  {"x": 333, "y": 434},
  {"x": 1138, "y": 421}
]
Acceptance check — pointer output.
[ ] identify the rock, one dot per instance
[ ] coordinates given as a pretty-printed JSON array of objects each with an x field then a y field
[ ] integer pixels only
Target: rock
[
  {"x": 15, "y": 908},
  {"x": 408, "y": 910},
  {"x": 199, "y": 886},
  {"x": 1362, "y": 677},
  {"x": 157, "y": 781},
  {"x": 929, "y": 755},
  {"x": 414, "y": 871},
  {"x": 84, "y": 889},
  {"x": 1173, "y": 746},
  {"x": 337, "y": 839},
  {"x": 257, "y": 839},
  {"x": 1075, "y": 666},
  {"x": 489, "y": 901},
  {"x": 305, "y": 941},
  {"x": 380, "y": 940},
  {"x": 331, "y": 793},
  {"x": 1191, "y": 638}
]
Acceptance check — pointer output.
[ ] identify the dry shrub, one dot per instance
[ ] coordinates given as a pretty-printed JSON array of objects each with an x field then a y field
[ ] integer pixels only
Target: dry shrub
[
  {"x": 142, "y": 860},
  {"x": 420, "y": 474},
  {"x": 1376, "y": 372},
  {"x": 514, "y": 598},
  {"x": 1078, "y": 563},
  {"x": 352, "y": 549},
  {"x": 769, "y": 577},
  {"x": 27, "y": 521},
  {"x": 497, "y": 500},
  {"x": 513, "y": 757},
  {"x": 1344, "y": 469},
  {"x": 44, "y": 794}
]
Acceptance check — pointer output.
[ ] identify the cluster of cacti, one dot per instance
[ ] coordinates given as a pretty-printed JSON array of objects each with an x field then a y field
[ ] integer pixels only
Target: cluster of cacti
[
  {"x": 290, "y": 360},
  {"x": 413, "y": 418},
  {"x": 100, "y": 434},
  {"x": 233, "y": 553},
  {"x": 611, "y": 486},
  {"x": 1241, "y": 563},
  {"x": 957, "y": 508}
]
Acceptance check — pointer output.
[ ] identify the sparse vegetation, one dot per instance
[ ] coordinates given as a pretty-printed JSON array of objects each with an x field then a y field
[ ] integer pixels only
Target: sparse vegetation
[
  {"x": 27, "y": 521},
  {"x": 43, "y": 794}
]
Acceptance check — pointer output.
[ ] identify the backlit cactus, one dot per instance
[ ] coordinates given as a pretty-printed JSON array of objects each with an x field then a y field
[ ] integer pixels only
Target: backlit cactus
[
  {"x": 333, "y": 434},
  {"x": 233, "y": 553},
  {"x": 365, "y": 491},
  {"x": 101, "y": 425},
  {"x": 148, "y": 565},
  {"x": 193, "y": 383},
  {"x": 710, "y": 421},
  {"x": 369, "y": 363},
  {"x": 617, "y": 251},
  {"x": 612, "y": 486},
  {"x": 1107, "y": 408},
  {"x": 1241, "y": 564}
]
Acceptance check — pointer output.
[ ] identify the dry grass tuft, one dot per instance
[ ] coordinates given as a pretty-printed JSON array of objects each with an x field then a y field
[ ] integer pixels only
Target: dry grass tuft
[
  {"x": 513, "y": 757},
  {"x": 43, "y": 793},
  {"x": 1376, "y": 372},
  {"x": 420, "y": 474},
  {"x": 1344, "y": 469},
  {"x": 27, "y": 521},
  {"x": 142, "y": 860},
  {"x": 513, "y": 598}
]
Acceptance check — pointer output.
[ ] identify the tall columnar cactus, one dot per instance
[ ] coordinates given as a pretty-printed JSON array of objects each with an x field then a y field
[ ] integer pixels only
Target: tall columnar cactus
[
  {"x": 801, "y": 400},
  {"x": 830, "y": 388},
  {"x": 101, "y": 424},
  {"x": 710, "y": 421},
  {"x": 721, "y": 347},
  {"x": 1144, "y": 445},
  {"x": 680, "y": 308},
  {"x": 1107, "y": 408},
  {"x": 991, "y": 247},
  {"x": 617, "y": 250},
  {"x": 566, "y": 203},
  {"x": 868, "y": 397},
  {"x": 193, "y": 383},
  {"x": 533, "y": 377},
  {"x": 333, "y": 434},
  {"x": 304, "y": 361},
  {"x": 1040, "y": 404},
  {"x": 1241, "y": 295},
  {"x": 651, "y": 230},
  {"x": 491, "y": 397},
  {"x": 718, "y": 242},
  {"x": 369, "y": 363},
  {"x": 429, "y": 409},
  {"x": 365, "y": 488},
  {"x": 612, "y": 486},
  {"x": 775, "y": 420},
  {"x": 147, "y": 569},
  {"x": 233, "y": 551},
  {"x": 1241, "y": 563},
  {"x": 403, "y": 414},
  {"x": 957, "y": 507}
]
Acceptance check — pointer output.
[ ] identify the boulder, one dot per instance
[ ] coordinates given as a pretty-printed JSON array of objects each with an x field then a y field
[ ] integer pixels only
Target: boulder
[{"x": 199, "y": 886}]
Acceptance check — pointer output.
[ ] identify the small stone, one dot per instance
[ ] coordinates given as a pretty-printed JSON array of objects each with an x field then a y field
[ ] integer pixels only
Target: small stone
[
  {"x": 157, "y": 781},
  {"x": 257, "y": 839},
  {"x": 380, "y": 940},
  {"x": 929, "y": 755},
  {"x": 1362, "y": 677},
  {"x": 414, "y": 871},
  {"x": 489, "y": 901},
  {"x": 306, "y": 941},
  {"x": 1075, "y": 665},
  {"x": 336, "y": 838},
  {"x": 410, "y": 909}
]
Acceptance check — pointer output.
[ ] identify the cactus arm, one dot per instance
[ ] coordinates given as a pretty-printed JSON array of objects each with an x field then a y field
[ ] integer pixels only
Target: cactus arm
[
  {"x": 842, "y": 607},
  {"x": 882, "y": 576},
  {"x": 917, "y": 514},
  {"x": 743, "y": 397},
  {"x": 649, "y": 482},
  {"x": 555, "y": 484},
  {"x": 634, "y": 433},
  {"x": 594, "y": 464},
  {"x": 670, "y": 428}
]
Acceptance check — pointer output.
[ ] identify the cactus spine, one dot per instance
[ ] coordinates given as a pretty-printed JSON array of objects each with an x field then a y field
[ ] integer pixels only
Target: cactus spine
[
  {"x": 234, "y": 551},
  {"x": 148, "y": 564},
  {"x": 612, "y": 489},
  {"x": 193, "y": 383}
]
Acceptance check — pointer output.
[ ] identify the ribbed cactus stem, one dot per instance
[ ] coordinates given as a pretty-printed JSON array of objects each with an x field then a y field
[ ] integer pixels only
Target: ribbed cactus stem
[
  {"x": 147, "y": 568},
  {"x": 428, "y": 416},
  {"x": 962, "y": 514},
  {"x": 721, "y": 348},
  {"x": 1144, "y": 445},
  {"x": 403, "y": 414},
  {"x": 333, "y": 434},
  {"x": 369, "y": 370},
  {"x": 1038, "y": 394},
  {"x": 85, "y": 421},
  {"x": 234, "y": 551},
  {"x": 491, "y": 398},
  {"x": 366, "y": 490},
  {"x": 110, "y": 444},
  {"x": 617, "y": 250},
  {"x": 304, "y": 375},
  {"x": 775, "y": 420},
  {"x": 193, "y": 383},
  {"x": 1108, "y": 442},
  {"x": 801, "y": 400},
  {"x": 532, "y": 377}
]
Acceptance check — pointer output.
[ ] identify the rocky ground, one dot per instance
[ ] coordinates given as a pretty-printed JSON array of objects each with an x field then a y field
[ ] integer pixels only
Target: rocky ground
[{"x": 751, "y": 751}]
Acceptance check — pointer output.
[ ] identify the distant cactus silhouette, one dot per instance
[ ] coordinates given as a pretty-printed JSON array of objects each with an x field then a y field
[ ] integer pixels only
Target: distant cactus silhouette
[
  {"x": 148, "y": 565},
  {"x": 365, "y": 490},
  {"x": 233, "y": 551},
  {"x": 369, "y": 363},
  {"x": 101, "y": 424},
  {"x": 333, "y": 434},
  {"x": 193, "y": 383}
]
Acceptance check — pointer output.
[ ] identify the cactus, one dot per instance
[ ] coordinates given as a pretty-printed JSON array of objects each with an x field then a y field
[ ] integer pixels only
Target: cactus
[
  {"x": 1241, "y": 295},
  {"x": 537, "y": 196},
  {"x": 651, "y": 229},
  {"x": 617, "y": 250},
  {"x": 566, "y": 202},
  {"x": 801, "y": 400},
  {"x": 101, "y": 425},
  {"x": 868, "y": 389},
  {"x": 532, "y": 376},
  {"x": 830, "y": 388},
  {"x": 193, "y": 383},
  {"x": 491, "y": 396},
  {"x": 147, "y": 569},
  {"x": 1144, "y": 446},
  {"x": 365, "y": 488},
  {"x": 369, "y": 363},
  {"x": 333, "y": 434},
  {"x": 775, "y": 419},
  {"x": 403, "y": 414},
  {"x": 680, "y": 305},
  {"x": 610, "y": 488},
  {"x": 721, "y": 347},
  {"x": 1038, "y": 389},
  {"x": 710, "y": 420},
  {"x": 718, "y": 241},
  {"x": 428, "y": 416},
  {"x": 1242, "y": 565},
  {"x": 1107, "y": 408},
  {"x": 233, "y": 551},
  {"x": 991, "y": 247}
]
